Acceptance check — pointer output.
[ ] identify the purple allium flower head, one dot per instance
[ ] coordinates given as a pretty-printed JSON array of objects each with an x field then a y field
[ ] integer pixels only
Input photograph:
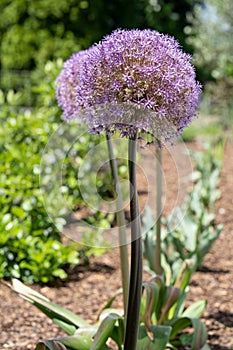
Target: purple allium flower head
[
  {"x": 134, "y": 80},
  {"x": 67, "y": 83}
]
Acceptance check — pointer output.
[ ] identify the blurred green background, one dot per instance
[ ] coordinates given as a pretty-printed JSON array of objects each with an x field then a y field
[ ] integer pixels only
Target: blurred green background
[
  {"x": 34, "y": 32},
  {"x": 35, "y": 38}
]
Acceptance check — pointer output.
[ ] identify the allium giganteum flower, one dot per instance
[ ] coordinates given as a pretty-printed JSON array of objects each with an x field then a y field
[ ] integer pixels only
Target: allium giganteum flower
[{"x": 134, "y": 80}]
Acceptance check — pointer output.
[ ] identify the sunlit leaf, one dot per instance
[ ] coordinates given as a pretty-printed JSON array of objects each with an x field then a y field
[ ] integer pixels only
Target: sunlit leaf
[
  {"x": 195, "y": 310},
  {"x": 52, "y": 310},
  {"x": 104, "y": 331},
  {"x": 158, "y": 339},
  {"x": 179, "y": 325},
  {"x": 110, "y": 301}
]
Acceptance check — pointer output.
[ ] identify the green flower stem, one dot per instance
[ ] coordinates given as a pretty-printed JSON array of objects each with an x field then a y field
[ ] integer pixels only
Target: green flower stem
[
  {"x": 158, "y": 267},
  {"x": 121, "y": 225},
  {"x": 135, "y": 289}
]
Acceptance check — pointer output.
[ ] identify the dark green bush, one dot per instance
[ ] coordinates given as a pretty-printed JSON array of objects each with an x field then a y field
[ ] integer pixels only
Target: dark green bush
[
  {"x": 33, "y": 32},
  {"x": 30, "y": 243}
]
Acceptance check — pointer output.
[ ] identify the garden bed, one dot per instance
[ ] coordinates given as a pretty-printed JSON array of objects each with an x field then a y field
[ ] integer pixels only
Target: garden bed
[{"x": 89, "y": 287}]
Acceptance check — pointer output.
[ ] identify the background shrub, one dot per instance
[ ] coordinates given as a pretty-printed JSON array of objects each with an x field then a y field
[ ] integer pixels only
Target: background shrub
[{"x": 30, "y": 244}]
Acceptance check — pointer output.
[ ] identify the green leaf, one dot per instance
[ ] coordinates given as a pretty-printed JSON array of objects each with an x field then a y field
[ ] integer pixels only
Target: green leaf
[
  {"x": 161, "y": 336},
  {"x": 195, "y": 310},
  {"x": 144, "y": 343},
  {"x": 52, "y": 310},
  {"x": 77, "y": 341},
  {"x": 200, "y": 334},
  {"x": 184, "y": 274},
  {"x": 206, "y": 347},
  {"x": 172, "y": 294},
  {"x": 81, "y": 340},
  {"x": 198, "y": 338},
  {"x": 51, "y": 345},
  {"x": 177, "y": 309},
  {"x": 152, "y": 295},
  {"x": 104, "y": 331},
  {"x": 68, "y": 328},
  {"x": 118, "y": 333},
  {"x": 109, "y": 311},
  {"x": 179, "y": 325},
  {"x": 18, "y": 212},
  {"x": 109, "y": 302}
]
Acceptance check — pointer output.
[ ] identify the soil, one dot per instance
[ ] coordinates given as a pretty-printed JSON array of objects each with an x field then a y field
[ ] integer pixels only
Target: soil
[{"x": 89, "y": 287}]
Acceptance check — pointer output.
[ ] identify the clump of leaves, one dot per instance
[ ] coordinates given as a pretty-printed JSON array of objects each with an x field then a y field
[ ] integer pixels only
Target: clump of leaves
[
  {"x": 164, "y": 320},
  {"x": 188, "y": 236}
]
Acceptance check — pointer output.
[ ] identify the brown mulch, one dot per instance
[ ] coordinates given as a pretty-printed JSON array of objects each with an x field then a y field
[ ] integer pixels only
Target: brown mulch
[{"x": 89, "y": 287}]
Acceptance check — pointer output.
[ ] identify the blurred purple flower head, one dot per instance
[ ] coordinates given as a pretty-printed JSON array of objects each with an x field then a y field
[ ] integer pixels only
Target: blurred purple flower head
[
  {"x": 134, "y": 80},
  {"x": 67, "y": 83}
]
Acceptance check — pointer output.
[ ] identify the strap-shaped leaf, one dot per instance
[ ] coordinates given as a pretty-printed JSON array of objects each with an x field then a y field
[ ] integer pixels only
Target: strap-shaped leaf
[
  {"x": 184, "y": 274},
  {"x": 118, "y": 333},
  {"x": 152, "y": 294},
  {"x": 104, "y": 331},
  {"x": 172, "y": 294},
  {"x": 161, "y": 337},
  {"x": 200, "y": 334},
  {"x": 177, "y": 308},
  {"x": 182, "y": 281},
  {"x": 109, "y": 302},
  {"x": 51, "y": 345},
  {"x": 158, "y": 339},
  {"x": 144, "y": 343},
  {"x": 66, "y": 319},
  {"x": 106, "y": 312},
  {"x": 80, "y": 341},
  {"x": 77, "y": 341},
  {"x": 179, "y": 325},
  {"x": 195, "y": 310},
  {"x": 67, "y": 327}
]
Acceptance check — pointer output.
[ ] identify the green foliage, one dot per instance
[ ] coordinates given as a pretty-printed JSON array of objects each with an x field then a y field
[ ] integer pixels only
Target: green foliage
[
  {"x": 212, "y": 42},
  {"x": 207, "y": 127},
  {"x": 192, "y": 225},
  {"x": 33, "y": 32},
  {"x": 30, "y": 243},
  {"x": 171, "y": 17},
  {"x": 164, "y": 307},
  {"x": 211, "y": 37}
]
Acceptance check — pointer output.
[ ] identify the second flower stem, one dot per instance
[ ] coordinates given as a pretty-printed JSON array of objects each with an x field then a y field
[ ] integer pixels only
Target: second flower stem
[
  {"x": 122, "y": 239},
  {"x": 158, "y": 267},
  {"x": 135, "y": 291}
]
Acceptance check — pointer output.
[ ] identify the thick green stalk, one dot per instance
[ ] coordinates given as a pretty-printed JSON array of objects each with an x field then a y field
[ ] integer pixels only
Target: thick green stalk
[
  {"x": 121, "y": 225},
  {"x": 158, "y": 267},
  {"x": 135, "y": 289}
]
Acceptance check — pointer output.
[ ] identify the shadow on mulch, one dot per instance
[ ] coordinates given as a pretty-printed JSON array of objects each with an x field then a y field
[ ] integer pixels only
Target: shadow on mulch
[
  {"x": 206, "y": 269},
  {"x": 80, "y": 272},
  {"x": 219, "y": 347},
  {"x": 223, "y": 317}
]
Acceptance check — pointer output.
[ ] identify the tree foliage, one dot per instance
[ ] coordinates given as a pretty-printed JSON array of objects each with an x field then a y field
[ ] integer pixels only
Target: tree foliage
[
  {"x": 212, "y": 29},
  {"x": 32, "y": 32}
]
